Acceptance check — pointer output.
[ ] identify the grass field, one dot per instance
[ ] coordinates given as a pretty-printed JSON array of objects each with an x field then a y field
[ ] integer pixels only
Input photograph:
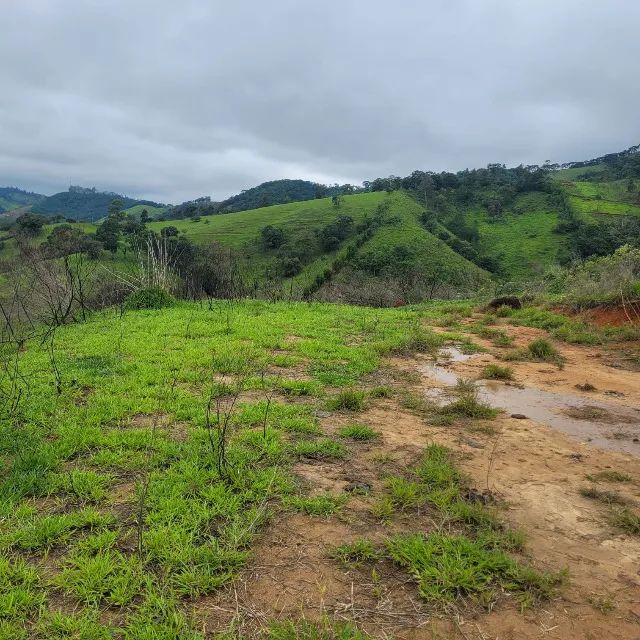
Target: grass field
[
  {"x": 113, "y": 494},
  {"x": 524, "y": 242},
  {"x": 139, "y": 208},
  {"x": 149, "y": 449}
]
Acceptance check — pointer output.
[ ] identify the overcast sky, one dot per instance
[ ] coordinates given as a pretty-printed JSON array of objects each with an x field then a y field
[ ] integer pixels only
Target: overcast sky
[{"x": 174, "y": 99}]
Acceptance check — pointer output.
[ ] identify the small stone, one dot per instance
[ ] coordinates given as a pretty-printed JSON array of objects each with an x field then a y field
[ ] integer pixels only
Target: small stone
[
  {"x": 613, "y": 392},
  {"x": 519, "y": 416},
  {"x": 472, "y": 443},
  {"x": 358, "y": 487},
  {"x": 322, "y": 414}
]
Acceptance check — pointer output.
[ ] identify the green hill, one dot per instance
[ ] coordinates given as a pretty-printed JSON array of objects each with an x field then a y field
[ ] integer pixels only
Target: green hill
[
  {"x": 12, "y": 198},
  {"x": 80, "y": 203}
]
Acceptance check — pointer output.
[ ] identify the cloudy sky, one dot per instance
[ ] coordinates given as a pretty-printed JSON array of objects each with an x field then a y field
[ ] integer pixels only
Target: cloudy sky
[{"x": 174, "y": 99}]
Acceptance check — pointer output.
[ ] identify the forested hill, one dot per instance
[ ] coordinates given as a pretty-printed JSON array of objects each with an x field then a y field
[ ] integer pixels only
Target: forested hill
[
  {"x": 281, "y": 192},
  {"x": 81, "y": 203},
  {"x": 264, "y": 195},
  {"x": 12, "y": 198}
]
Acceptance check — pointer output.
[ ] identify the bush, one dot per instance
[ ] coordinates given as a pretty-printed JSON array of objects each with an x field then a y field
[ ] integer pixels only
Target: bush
[
  {"x": 347, "y": 400},
  {"x": 542, "y": 349},
  {"x": 496, "y": 372},
  {"x": 149, "y": 298}
]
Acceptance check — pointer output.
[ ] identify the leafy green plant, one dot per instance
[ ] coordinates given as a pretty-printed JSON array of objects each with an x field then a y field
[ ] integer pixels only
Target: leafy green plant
[{"x": 149, "y": 298}]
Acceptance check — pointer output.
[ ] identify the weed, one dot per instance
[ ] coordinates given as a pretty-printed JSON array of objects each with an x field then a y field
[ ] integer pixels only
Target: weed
[
  {"x": 627, "y": 520},
  {"x": 307, "y": 630},
  {"x": 503, "y": 311},
  {"x": 541, "y": 349},
  {"x": 383, "y": 508},
  {"x": 609, "y": 476},
  {"x": 347, "y": 400},
  {"x": 299, "y": 387},
  {"x": 417, "y": 341},
  {"x": 448, "y": 566},
  {"x": 467, "y": 405},
  {"x": 496, "y": 372},
  {"x": 608, "y": 497},
  {"x": 604, "y": 603},
  {"x": 323, "y": 505},
  {"x": 87, "y": 486},
  {"x": 404, "y": 493},
  {"x": 319, "y": 449},
  {"x": 381, "y": 392},
  {"x": 358, "y": 432},
  {"x": 355, "y": 553},
  {"x": 106, "y": 576}
]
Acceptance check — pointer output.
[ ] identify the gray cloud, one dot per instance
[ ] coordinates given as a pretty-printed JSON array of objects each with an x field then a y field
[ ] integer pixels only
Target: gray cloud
[{"x": 173, "y": 100}]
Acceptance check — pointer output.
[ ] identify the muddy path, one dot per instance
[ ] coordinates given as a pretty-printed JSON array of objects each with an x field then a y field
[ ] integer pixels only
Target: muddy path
[{"x": 537, "y": 466}]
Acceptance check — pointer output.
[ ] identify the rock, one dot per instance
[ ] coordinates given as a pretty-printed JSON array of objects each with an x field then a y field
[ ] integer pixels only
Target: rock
[
  {"x": 322, "y": 414},
  {"x": 519, "y": 416},
  {"x": 613, "y": 392},
  {"x": 585, "y": 387}
]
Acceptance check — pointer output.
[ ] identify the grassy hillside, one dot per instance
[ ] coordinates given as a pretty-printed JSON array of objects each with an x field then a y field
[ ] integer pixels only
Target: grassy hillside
[
  {"x": 523, "y": 239},
  {"x": 12, "y": 198},
  {"x": 242, "y": 228},
  {"x": 137, "y": 209}
]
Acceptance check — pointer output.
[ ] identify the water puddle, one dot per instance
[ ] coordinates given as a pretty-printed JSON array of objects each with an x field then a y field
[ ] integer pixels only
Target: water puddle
[{"x": 610, "y": 427}]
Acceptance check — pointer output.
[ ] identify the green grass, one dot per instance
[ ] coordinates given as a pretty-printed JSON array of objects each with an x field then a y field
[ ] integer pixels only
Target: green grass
[
  {"x": 77, "y": 468},
  {"x": 347, "y": 400},
  {"x": 358, "y": 432},
  {"x": 523, "y": 240},
  {"x": 323, "y": 505},
  {"x": 308, "y": 630},
  {"x": 355, "y": 553},
  {"x": 496, "y": 372},
  {"x": 447, "y": 567},
  {"x": 137, "y": 209}
]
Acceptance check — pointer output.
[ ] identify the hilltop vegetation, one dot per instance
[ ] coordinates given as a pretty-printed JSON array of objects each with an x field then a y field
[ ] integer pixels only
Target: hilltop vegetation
[{"x": 81, "y": 203}]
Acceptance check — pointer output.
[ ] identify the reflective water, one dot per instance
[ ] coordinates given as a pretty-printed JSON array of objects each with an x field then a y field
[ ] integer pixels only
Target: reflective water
[{"x": 620, "y": 432}]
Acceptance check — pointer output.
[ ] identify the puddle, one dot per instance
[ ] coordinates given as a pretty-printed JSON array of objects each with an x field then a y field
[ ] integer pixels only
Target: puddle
[{"x": 622, "y": 424}]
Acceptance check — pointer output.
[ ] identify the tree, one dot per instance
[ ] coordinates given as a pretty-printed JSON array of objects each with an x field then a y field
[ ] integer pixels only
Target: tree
[
  {"x": 169, "y": 232},
  {"x": 30, "y": 224},
  {"x": 109, "y": 233},
  {"x": 115, "y": 210},
  {"x": 272, "y": 237},
  {"x": 336, "y": 199},
  {"x": 144, "y": 216}
]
